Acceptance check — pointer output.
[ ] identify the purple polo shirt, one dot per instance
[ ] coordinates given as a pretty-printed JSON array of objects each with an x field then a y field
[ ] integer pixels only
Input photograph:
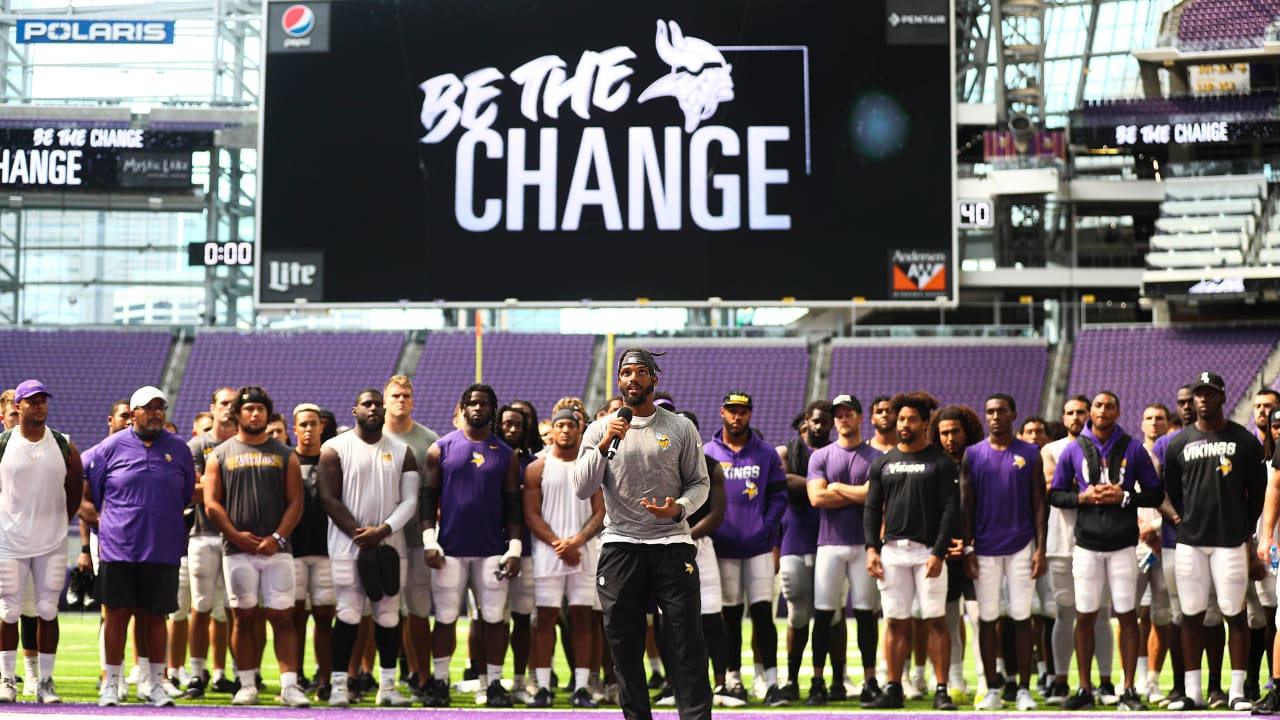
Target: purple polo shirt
[
  {"x": 140, "y": 493},
  {"x": 1001, "y": 482},
  {"x": 836, "y": 464},
  {"x": 756, "y": 488}
]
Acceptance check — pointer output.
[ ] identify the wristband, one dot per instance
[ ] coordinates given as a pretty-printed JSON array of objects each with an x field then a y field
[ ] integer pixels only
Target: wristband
[
  {"x": 84, "y": 549},
  {"x": 430, "y": 541},
  {"x": 514, "y": 548},
  {"x": 279, "y": 539},
  {"x": 968, "y": 550}
]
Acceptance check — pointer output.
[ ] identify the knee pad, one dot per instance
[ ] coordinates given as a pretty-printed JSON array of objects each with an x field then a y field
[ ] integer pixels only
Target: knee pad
[
  {"x": 492, "y": 615},
  {"x": 10, "y": 613},
  {"x": 1161, "y": 617},
  {"x": 387, "y": 618},
  {"x": 47, "y": 609},
  {"x": 349, "y": 615}
]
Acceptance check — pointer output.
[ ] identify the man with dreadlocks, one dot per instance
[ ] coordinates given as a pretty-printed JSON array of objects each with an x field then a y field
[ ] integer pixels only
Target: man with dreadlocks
[
  {"x": 650, "y": 463},
  {"x": 472, "y": 477}
]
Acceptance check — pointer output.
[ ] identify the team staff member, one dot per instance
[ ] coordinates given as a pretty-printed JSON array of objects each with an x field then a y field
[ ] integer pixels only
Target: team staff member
[
  {"x": 369, "y": 488},
  {"x": 1105, "y": 476},
  {"x": 41, "y": 482},
  {"x": 253, "y": 494},
  {"x": 756, "y": 493},
  {"x": 656, "y": 480},
  {"x": 913, "y": 493},
  {"x": 136, "y": 489},
  {"x": 1214, "y": 476},
  {"x": 837, "y": 486}
]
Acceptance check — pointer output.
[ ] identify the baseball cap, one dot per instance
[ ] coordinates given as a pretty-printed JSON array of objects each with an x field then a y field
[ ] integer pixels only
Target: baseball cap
[
  {"x": 1209, "y": 379},
  {"x": 304, "y": 407},
  {"x": 29, "y": 388},
  {"x": 737, "y": 398},
  {"x": 849, "y": 401},
  {"x": 144, "y": 395}
]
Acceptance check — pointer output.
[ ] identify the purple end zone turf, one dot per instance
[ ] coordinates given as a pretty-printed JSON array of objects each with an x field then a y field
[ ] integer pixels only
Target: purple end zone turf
[{"x": 196, "y": 712}]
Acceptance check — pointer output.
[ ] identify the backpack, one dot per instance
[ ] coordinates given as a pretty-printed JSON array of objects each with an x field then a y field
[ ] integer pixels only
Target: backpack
[
  {"x": 1115, "y": 458},
  {"x": 63, "y": 444}
]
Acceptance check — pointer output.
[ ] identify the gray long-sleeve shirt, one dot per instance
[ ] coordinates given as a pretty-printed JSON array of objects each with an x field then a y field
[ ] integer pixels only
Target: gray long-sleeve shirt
[{"x": 660, "y": 457}]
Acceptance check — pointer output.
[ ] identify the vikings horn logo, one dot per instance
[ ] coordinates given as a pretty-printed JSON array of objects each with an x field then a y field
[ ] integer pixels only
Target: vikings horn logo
[{"x": 699, "y": 80}]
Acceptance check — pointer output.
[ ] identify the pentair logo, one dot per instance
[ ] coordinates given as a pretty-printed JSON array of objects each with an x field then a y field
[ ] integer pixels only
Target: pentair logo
[{"x": 298, "y": 21}]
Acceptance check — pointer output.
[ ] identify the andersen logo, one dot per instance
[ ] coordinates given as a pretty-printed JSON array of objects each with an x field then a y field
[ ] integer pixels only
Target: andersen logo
[{"x": 622, "y": 169}]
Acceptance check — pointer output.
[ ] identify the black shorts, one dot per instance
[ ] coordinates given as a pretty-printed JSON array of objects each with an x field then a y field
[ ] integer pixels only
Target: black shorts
[
  {"x": 151, "y": 587},
  {"x": 959, "y": 584}
]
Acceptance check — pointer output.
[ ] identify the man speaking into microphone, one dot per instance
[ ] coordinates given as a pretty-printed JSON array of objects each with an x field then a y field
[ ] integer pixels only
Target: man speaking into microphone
[{"x": 650, "y": 463}]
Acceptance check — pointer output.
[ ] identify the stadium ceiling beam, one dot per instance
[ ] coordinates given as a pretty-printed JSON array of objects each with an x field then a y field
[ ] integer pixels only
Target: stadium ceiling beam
[{"x": 170, "y": 9}]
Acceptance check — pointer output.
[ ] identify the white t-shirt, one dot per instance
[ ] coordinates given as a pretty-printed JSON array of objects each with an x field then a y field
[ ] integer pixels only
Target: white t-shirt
[
  {"x": 1060, "y": 541},
  {"x": 373, "y": 489},
  {"x": 33, "y": 497}
]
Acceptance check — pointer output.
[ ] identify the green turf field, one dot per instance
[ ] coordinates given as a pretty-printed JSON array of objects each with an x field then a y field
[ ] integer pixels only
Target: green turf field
[{"x": 77, "y": 668}]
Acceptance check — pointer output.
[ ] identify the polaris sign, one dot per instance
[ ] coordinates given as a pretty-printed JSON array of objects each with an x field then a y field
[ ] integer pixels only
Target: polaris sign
[{"x": 147, "y": 32}]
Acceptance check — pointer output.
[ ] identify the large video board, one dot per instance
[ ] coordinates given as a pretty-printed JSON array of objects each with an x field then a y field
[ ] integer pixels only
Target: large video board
[{"x": 561, "y": 150}]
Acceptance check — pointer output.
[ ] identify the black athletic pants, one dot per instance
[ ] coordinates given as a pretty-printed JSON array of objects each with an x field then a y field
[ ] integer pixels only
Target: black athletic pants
[{"x": 628, "y": 574}]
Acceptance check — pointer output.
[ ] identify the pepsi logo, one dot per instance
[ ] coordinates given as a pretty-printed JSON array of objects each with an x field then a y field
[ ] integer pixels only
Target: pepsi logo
[{"x": 298, "y": 21}]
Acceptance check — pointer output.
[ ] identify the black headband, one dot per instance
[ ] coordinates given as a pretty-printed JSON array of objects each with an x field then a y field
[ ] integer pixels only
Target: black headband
[{"x": 639, "y": 357}]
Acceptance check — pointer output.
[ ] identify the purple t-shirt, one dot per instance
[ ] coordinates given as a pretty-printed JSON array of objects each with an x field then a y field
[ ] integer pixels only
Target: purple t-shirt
[
  {"x": 799, "y": 530},
  {"x": 836, "y": 464},
  {"x": 755, "y": 486},
  {"x": 1001, "y": 482},
  {"x": 471, "y": 478},
  {"x": 140, "y": 493},
  {"x": 1168, "y": 531}
]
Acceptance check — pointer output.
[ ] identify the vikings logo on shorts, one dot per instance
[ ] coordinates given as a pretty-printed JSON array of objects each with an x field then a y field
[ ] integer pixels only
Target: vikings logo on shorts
[
  {"x": 298, "y": 21},
  {"x": 664, "y": 442},
  {"x": 688, "y": 569}
]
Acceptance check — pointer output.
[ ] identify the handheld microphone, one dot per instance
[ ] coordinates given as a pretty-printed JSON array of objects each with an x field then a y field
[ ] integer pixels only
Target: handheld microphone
[{"x": 625, "y": 414}]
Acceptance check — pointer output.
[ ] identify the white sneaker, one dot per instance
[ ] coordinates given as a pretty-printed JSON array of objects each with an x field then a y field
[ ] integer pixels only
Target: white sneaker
[
  {"x": 1154, "y": 696},
  {"x": 246, "y": 695},
  {"x": 144, "y": 691},
  {"x": 293, "y": 696},
  {"x": 45, "y": 693},
  {"x": 30, "y": 685},
  {"x": 759, "y": 687},
  {"x": 183, "y": 677},
  {"x": 1025, "y": 701},
  {"x": 910, "y": 691},
  {"x": 467, "y": 686},
  {"x": 392, "y": 698},
  {"x": 108, "y": 695},
  {"x": 8, "y": 690},
  {"x": 168, "y": 688},
  {"x": 520, "y": 695},
  {"x": 339, "y": 696},
  {"x": 668, "y": 700},
  {"x": 132, "y": 677},
  {"x": 989, "y": 700},
  {"x": 122, "y": 691},
  {"x": 160, "y": 698}
]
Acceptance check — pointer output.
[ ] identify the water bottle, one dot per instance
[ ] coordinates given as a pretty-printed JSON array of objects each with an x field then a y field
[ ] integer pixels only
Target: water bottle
[{"x": 1275, "y": 558}]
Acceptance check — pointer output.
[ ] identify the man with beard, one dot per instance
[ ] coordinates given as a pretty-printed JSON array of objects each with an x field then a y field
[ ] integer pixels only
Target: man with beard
[
  {"x": 1003, "y": 524},
  {"x": 884, "y": 421},
  {"x": 472, "y": 478},
  {"x": 1214, "y": 476},
  {"x": 799, "y": 546},
  {"x": 912, "y": 494},
  {"x": 416, "y": 596},
  {"x": 41, "y": 481},
  {"x": 837, "y": 487},
  {"x": 136, "y": 489},
  {"x": 656, "y": 480},
  {"x": 564, "y": 559},
  {"x": 1105, "y": 476},
  {"x": 368, "y": 485},
  {"x": 755, "y": 487},
  {"x": 253, "y": 494},
  {"x": 312, "y": 570},
  {"x": 954, "y": 429}
]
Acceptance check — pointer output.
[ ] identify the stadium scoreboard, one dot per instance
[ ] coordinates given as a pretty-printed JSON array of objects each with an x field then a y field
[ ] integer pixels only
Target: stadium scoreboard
[{"x": 564, "y": 150}]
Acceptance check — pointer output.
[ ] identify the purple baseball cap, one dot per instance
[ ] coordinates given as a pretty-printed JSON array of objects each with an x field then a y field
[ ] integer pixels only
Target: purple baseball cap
[{"x": 29, "y": 388}]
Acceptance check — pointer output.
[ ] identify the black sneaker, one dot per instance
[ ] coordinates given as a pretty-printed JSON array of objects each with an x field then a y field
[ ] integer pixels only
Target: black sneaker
[
  {"x": 581, "y": 698},
  {"x": 773, "y": 697},
  {"x": 890, "y": 699},
  {"x": 470, "y": 674},
  {"x": 791, "y": 692},
  {"x": 837, "y": 693},
  {"x": 224, "y": 685},
  {"x": 436, "y": 693},
  {"x": 496, "y": 695},
  {"x": 1183, "y": 703},
  {"x": 1175, "y": 695},
  {"x": 1010, "y": 692},
  {"x": 304, "y": 682},
  {"x": 1240, "y": 704},
  {"x": 817, "y": 693},
  {"x": 195, "y": 688},
  {"x": 1252, "y": 692},
  {"x": 1107, "y": 694},
  {"x": 1216, "y": 699},
  {"x": 257, "y": 680},
  {"x": 1058, "y": 693},
  {"x": 1081, "y": 700},
  {"x": 323, "y": 691},
  {"x": 1269, "y": 705},
  {"x": 656, "y": 681},
  {"x": 413, "y": 682},
  {"x": 870, "y": 691},
  {"x": 942, "y": 700},
  {"x": 1130, "y": 701},
  {"x": 737, "y": 691},
  {"x": 541, "y": 699}
]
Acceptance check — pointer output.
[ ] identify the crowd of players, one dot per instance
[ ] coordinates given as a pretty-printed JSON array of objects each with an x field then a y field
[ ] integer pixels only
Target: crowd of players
[{"x": 1029, "y": 537}]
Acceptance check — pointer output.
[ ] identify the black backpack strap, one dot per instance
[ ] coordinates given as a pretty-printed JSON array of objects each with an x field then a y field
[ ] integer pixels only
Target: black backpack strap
[
  {"x": 64, "y": 446},
  {"x": 1115, "y": 459},
  {"x": 1092, "y": 471}
]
